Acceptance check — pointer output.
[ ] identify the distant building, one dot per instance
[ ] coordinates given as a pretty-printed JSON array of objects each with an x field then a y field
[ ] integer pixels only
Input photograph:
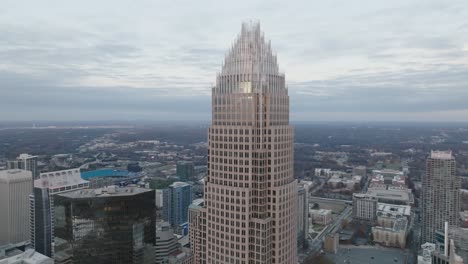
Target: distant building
[
  {"x": 159, "y": 198},
  {"x": 302, "y": 214},
  {"x": 440, "y": 194},
  {"x": 176, "y": 201},
  {"x": 360, "y": 170},
  {"x": 321, "y": 216},
  {"x": 197, "y": 229},
  {"x": 168, "y": 250},
  {"x": 392, "y": 225},
  {"x": 185, "y": 170},
  {"x": 323, "y": 172},
  {"x": 106, "y": 226},
  {"x": 25, "y": 162},
  {"x": 392, "y": 195},
  {"x": 332, "y": 242},
  {"x": 464, "y": 219},
  {"x": 393, "y": 234},
  {"x": 15, "y": 188},
  {"x": 12, "y": 255},
  {"x": 166, "y": 242},
  {"x": 42, "y": 205},
  {"x": 364, "y": 207}
]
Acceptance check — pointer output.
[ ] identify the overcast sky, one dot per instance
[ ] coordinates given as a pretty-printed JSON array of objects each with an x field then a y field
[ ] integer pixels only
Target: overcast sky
[{"x": 375, "y": 60}]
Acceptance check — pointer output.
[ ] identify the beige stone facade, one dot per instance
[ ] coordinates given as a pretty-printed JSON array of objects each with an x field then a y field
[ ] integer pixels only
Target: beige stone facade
[{"x": 249, "y": 212}]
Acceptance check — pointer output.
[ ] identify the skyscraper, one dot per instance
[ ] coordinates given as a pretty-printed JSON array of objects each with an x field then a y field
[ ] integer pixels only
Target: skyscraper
[
  {"x": 249, "y": 213},
  {"x": 15, "y": 188},
  {"x": 440, "y": 194},
  {"x": 106, "y": 226},
  {"x": 25, "y": 162},
  {"x": 185, "y": 170},
  {"x": 176, "y": 201},
  {"x": 42, "y": 205}
]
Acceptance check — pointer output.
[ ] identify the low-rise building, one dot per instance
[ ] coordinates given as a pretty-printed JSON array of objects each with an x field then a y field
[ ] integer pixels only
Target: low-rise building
[
  {"x": 392, "y": 196},
  {"x": 321, "y": 216},
  {"x": 12, "y": 255},
  {"x": 332, "y": 241},
  {"x": 392, "y": 236}
]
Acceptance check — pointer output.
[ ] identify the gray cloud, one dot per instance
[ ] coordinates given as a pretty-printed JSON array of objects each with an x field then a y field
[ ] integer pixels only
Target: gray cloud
[{"x": 158, "y": 60}]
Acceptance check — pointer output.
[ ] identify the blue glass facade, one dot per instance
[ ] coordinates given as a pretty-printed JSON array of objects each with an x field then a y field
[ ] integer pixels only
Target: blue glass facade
[{"x": 176, "y": 200}]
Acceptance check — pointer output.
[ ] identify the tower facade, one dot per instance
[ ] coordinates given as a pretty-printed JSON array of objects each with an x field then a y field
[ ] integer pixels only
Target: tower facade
[
  {"x": 249, "y": 211},
  {"x": 440, "y": 194},
  {"x": 15, "y": 188}
]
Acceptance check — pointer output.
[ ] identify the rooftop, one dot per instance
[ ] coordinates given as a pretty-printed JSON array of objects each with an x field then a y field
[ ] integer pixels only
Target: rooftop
[
  {"x": 394, "y": 210},
  {"x": 401, "y": 195},
  {"x": 179, "y": 184},
  {"x": 110, "y": 191},
  {"x": 197, "y": 203},
  {"x": 15, "y": 175},
  {"x": 57, "y": 179},
  {"x": 438, "y": 154}
]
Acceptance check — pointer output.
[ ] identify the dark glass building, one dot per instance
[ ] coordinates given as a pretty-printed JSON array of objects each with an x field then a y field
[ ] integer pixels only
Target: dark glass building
[
  {"x": 107, "y": 226},
  {"x": 185, "y": 170},
  {"x": 41, "y": 222}
]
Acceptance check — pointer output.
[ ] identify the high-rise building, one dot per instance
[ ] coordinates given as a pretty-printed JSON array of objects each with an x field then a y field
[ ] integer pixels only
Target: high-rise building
[
  {"x": 109, "y": 226},
  {"x": 302, "y": 214},
  {"x": 364, "y": 207},
  {"x": 176, "y": 201},
  {"x": 440, "y": 194},
  {"x": 42, "y": 205},
  {"x": 250, "y": 207},
  {"x": 15, "y": 188},
  {"x": 25, "y": 162},
  {"x": 185, "y": 170}
]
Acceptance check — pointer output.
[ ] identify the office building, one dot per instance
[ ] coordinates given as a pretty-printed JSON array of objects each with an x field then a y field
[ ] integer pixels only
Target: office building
[
  {"x": 360, "y": 170},
  {"x": 250, "y": 190},
  {"x": 321, "y": 216},
  {"x": 440, "y": 198},
  {"x": 331, "y": 243},
  {"x": 302, "y": 214},
  {"x": 12, "y": 255},
  {"x": 15, "y": 188},
  {"x": 364, "y": 207},
  {"x": 166, "y": 242},
  {"x": 185, "y": 170},
  {"x": 108, "y": 226},
  {"x": 42, "y": 205},
  {"x": 176, "y": 201},
  {"x": 197, "y": 230},
  {"x": 25, "y": 162},
  {"x": 391, "y": 235},
  {"x": 168, "y": 249}
]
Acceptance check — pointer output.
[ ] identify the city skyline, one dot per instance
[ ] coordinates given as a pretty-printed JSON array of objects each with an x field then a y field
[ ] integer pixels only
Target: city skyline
[{"x": 402, "y": 61}]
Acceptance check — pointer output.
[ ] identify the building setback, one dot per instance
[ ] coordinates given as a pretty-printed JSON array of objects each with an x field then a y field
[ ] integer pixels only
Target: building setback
[
  {"x": 440, "y": 194},
  {"x": 25, "y": 162},
  {"x": 250, "y": 201}
]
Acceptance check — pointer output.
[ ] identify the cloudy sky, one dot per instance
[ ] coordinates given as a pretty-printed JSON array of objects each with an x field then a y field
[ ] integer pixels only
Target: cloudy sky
[{"x": 398, "y": 60}]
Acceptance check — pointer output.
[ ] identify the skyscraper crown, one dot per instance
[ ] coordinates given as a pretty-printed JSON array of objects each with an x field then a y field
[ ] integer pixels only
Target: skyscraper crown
[{"x": 250, "y": 53}]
